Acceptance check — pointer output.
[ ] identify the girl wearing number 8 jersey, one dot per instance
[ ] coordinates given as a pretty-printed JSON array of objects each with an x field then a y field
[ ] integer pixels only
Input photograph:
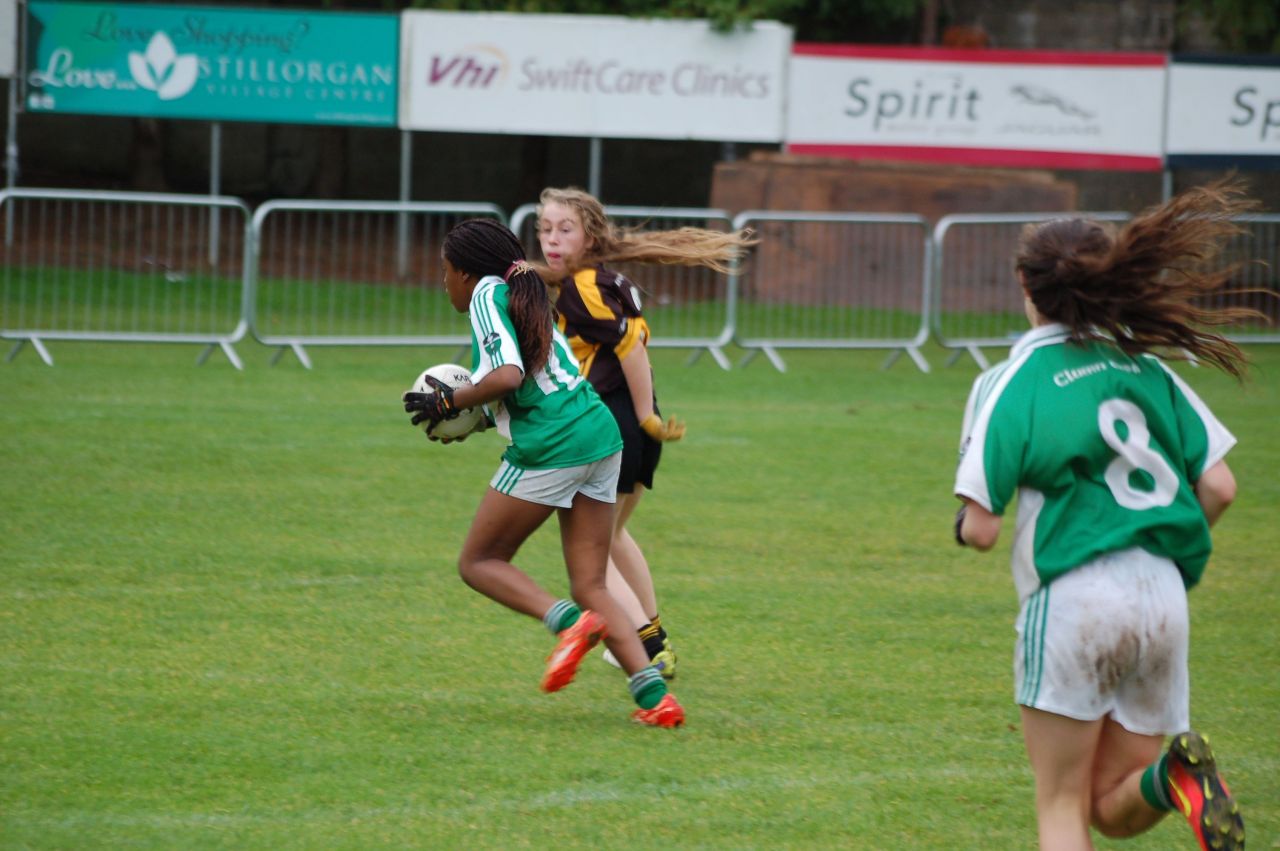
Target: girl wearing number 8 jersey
[{"x": 1119, "y": 472}]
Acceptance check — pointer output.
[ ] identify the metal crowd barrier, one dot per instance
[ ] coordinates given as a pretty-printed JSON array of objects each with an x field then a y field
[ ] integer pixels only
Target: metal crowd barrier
[
  {"x": 122, "y": 266},
  {"x": 353, "y": 273},
  {"x": 976, "y": 299},
  {"x": 687, "y": 308},
  {"x": 140, "y": 267},
  {"x": 833, "y": 281},
  {"x": 1258, "y": 254}
]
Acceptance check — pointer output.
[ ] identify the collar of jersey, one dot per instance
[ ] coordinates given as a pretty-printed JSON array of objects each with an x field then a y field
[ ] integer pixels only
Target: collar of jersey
[
  {"x": 486, "y": 283},
  {"x": 1044, "y": 335}
]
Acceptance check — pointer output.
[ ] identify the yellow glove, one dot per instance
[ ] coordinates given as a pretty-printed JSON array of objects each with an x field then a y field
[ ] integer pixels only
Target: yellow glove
[{"x": 662, "y": 432}]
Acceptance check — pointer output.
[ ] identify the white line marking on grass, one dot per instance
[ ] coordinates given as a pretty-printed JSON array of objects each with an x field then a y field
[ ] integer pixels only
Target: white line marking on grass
[
  {"x": 569, "y": 797},
  {"x": 143, "y": 590},
  {"x": 459, "y": 695}
]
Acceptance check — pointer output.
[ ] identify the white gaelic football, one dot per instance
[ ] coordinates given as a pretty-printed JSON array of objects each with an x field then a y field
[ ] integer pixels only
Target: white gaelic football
[{"x": 455, "y": 376}]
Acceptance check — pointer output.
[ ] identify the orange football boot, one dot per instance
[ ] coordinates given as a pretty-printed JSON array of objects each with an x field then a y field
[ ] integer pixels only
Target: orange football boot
[
  {"x": 668, "y": 713},
  {"x": 1201, "y": 796},
  {"x": 575, "y": 642}
]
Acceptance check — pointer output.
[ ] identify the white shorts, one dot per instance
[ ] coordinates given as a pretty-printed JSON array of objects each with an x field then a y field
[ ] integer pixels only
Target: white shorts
[
  {"x": 558, "y": 486},
  {"x": 1108, "y": 638}
]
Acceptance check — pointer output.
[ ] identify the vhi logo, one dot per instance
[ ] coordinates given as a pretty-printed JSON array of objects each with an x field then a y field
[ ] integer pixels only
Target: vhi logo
[
  {"x": 467, "y": 70},
  {"x": 162, "y": 70}
]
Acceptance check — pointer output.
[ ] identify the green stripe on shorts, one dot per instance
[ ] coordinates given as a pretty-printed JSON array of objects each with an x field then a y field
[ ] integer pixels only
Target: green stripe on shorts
[
  {"x": 1033, "y": 646},
  {"x": 508, "y": 478}
]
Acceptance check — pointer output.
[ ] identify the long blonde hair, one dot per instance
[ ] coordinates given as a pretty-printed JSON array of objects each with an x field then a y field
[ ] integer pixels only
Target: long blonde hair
[{"x": 685, "y": 246}]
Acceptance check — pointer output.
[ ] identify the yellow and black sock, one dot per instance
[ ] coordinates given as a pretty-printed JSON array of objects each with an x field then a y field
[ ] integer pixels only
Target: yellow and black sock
[{"x": 651, "y": 636}]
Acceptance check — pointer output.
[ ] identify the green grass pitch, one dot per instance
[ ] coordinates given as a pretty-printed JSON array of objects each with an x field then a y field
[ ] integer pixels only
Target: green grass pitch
[{"x": 230, "y": 618}]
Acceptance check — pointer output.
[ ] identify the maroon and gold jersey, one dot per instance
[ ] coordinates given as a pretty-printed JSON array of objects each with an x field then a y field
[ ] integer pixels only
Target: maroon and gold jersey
[{"x": 600, "y": 315}]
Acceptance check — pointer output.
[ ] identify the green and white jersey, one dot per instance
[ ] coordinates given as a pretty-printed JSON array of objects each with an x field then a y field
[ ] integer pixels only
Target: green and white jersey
[
  {"x": 554, "y": 418},
  {"x": 1103, "y": 450}
]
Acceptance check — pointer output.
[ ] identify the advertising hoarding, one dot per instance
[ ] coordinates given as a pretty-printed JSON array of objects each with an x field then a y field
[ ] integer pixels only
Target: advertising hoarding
[
  {"x": 211, "y": 63},
  {"x": 1224, "y": 111},
  {"x": 990, "y": 107},
  {"x": 592, "y": 75}
]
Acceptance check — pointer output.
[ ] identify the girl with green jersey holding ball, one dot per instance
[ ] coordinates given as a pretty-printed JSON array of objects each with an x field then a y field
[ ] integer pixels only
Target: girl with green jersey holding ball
[
  {"x": 563, "y": 458},
  {"x": 1119, "y": 470}
]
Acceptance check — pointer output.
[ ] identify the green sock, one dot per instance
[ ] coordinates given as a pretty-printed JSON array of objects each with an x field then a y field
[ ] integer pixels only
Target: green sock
[
  {"x": 647, "y": 687},
  {"x": 562, "y": 615},
  {"x": 1155, "y": 780}
]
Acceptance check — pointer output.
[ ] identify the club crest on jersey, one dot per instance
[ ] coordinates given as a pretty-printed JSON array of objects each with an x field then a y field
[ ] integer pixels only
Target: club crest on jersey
[
  {"x": 629, "y": 293},
  {"x": 492, "y": 343}
]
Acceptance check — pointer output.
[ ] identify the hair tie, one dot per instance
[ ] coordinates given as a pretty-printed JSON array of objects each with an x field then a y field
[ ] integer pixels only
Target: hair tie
[{"x": 516, "y": 268}]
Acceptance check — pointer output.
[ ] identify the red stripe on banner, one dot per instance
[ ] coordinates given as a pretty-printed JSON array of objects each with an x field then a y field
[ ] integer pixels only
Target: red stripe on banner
[
  {"x": 983, "y": 156},
  {"x": 975, "y": 56}
]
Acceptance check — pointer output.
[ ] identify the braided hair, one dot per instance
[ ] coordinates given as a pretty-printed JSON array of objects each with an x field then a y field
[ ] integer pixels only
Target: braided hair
[
  {"x": 1140, "y": 286},
  {"x": 483, "y": 247}
]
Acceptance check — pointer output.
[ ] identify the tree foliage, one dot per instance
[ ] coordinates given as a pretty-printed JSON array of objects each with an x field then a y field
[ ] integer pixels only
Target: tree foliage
[
  {"x": 1244, "y": 26},
  {"x": 1241, "y": 26},
  {"x": 818, "y": 20}
]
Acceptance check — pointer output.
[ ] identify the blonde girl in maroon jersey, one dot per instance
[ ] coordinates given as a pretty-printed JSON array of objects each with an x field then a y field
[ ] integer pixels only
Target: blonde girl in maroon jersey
[{"x": 600, "y": 313}]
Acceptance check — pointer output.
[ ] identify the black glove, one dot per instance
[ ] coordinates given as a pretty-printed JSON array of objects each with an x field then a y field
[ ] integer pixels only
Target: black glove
[
  {"x": 960, "y": 525},
  {"x": 435, "y": 406}
]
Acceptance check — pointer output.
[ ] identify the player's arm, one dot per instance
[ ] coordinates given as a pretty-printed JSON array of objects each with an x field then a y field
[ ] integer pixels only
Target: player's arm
[
  {"x": 639, "y": 374},
  {"x": 444, "y": 402},
  {"x": 1216, "y": 490},
  {"x": 976, "y": 527},
  {"x": 498, "y": 384}
]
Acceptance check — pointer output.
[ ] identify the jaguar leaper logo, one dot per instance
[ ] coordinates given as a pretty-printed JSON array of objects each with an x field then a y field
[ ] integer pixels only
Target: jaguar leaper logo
[{"x": 162, "y": 70}]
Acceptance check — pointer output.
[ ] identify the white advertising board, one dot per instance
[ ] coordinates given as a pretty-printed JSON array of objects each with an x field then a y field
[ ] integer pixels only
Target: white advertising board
[
  {"x": 990, "y": 107},
  {"x": 592, "y": 75},
  {"x": 8, "y": 37},
  {"x": 1223, "y": 110}
]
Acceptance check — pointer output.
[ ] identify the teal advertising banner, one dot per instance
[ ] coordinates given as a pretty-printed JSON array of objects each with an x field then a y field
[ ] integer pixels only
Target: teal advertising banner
[{"x": 215, "y": 64}]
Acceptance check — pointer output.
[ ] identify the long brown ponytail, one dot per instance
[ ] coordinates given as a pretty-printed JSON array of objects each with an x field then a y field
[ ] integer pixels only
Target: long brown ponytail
[{"x": 1140, "y": 286}]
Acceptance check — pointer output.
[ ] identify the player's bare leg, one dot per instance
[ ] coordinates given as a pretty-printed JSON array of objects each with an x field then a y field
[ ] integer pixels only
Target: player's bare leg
[
  {"x": 627, "y": 562},
  {"x": 501, "y": 525},
  {"x": 1061, "y": 751},
  {"x": 628, "y": 557},
  {"x": 585, "y": 535},
  {"x": 1118, "y": 808},
  {"x": 621, "y": 591}
]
